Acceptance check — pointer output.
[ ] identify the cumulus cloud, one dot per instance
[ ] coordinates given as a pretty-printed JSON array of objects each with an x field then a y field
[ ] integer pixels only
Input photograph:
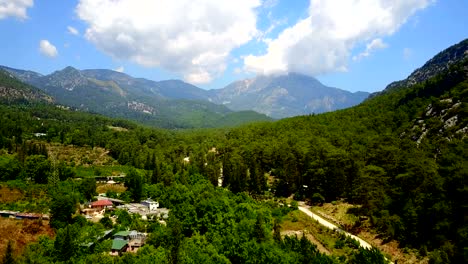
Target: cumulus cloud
[
  {"x": 47, "y": 49},
  {"x": 190, "y": 37},
  {"x": 15, "y": 8},
  {"x": 323, "y": 41},
  {"x": 374, "y": 45},
  {"x": 73, "y": 30}
]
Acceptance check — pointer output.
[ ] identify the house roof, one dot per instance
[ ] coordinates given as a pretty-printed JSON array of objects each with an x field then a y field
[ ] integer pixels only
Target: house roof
[
  {"x": 118, "y": 244},
  {"x": 102, "y": 203}
]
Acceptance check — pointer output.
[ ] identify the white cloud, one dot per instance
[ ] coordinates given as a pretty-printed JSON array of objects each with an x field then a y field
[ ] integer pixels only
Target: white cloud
[
  {"x": 191, "y": 37},
  {"x": 73, "y": 30},
  {"x": 323, "y": 41},
  {"x": 273, "y": 24},
  {"x": 15, "y": 8},
  {"x": 374, "y": 45},
  {"x": 120, "y": 69},
  {"x": 47, "y": 49}
]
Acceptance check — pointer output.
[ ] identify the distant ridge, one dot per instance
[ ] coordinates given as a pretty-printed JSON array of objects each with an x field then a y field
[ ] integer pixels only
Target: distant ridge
[
  {"x": 287, "y": 95},
  {"x": 168, "y": 104}
]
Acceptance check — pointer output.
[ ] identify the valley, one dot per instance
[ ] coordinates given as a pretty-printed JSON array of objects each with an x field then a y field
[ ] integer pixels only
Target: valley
[{"x": 391, "y": 170}]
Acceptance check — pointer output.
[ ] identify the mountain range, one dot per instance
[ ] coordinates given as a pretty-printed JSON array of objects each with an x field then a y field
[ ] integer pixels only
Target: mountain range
[
  {"x": 161, "y": 102},
  {"x": 119, "y": 95},
  {"x": 177, "y": 104},
  {"x": 285, "y": 96}
]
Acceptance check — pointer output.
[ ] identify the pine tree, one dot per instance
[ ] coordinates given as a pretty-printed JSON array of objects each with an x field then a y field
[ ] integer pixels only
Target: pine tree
[{"x": 8, "y": 258}]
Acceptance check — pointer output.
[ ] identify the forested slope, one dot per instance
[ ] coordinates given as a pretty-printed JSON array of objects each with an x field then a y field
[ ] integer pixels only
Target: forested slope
[{"x": 401, "y": 155}]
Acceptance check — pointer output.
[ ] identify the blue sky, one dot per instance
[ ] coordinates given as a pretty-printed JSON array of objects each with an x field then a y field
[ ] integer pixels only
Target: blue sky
[{"x": 359, "y": 45}]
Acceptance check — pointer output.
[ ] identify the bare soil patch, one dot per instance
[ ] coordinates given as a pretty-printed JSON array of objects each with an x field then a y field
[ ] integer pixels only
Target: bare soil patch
[{"x": 21, "y": 233}]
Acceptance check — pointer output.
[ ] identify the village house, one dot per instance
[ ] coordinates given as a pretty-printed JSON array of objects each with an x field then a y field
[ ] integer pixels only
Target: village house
[
  {"x": 152, "y": 205},
  {"x": 101, "y": 204},
  {"x": 127, "y": 241}
]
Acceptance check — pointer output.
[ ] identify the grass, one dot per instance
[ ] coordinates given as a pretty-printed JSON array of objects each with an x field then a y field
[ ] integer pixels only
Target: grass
[
  {"x": 103, "y": 188},
  {"x": 89, "y": 171},
  {"x": 337, "y": 213}
]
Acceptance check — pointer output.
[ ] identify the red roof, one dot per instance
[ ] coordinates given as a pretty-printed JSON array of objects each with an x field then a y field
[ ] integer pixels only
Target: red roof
[{"x": 101, "y": 203}]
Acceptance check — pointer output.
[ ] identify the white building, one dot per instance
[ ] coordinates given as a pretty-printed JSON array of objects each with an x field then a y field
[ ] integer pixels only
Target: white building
[{"x": 152, "y": 205}]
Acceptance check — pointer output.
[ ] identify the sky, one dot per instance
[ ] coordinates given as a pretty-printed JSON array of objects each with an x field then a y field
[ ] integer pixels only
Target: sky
[{"x": 355, "y": 45}]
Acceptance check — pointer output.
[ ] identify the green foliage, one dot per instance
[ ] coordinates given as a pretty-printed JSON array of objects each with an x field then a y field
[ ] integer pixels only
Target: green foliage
[
  {"x": 106, "y": 222},
  {"x": 368, "y": 256},
  {"x": 134, "y": 183},
  {"x": 61, "y": 209},
  {"x": 65, "y": 244},
  {"x": 65, "y": 172},
  {"x": 38, "y": 168},
  {"x": 87, "y": 188},
  {"x": 10, "y": 168}
]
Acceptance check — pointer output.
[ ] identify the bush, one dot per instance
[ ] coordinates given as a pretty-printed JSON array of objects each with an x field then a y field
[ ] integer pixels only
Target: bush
[
  {"x": 294, "y": 205},
  {"x": 317, "y": 198}
]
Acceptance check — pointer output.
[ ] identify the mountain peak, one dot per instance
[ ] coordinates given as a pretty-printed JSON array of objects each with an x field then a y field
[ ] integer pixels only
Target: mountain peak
[
  {"x": 285, "y": 95},
  {"x": 69, "y": 69}
]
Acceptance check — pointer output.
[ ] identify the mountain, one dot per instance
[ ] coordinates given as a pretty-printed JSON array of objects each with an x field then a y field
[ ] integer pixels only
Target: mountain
[
  {"x": 170, "y": 104},
  {"x": 285, "y": 96},
  {"x": 166, "y": 103},
  {"x": 13, "y": 90},
  {"x": 437, "y": 65},
  {"x": 23, "y": 75}
]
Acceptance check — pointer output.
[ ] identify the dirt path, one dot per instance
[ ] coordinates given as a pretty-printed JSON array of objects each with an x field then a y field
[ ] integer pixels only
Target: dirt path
[
  {"x": 310, "y": 237},
  {"x": 329, "y": 225}
]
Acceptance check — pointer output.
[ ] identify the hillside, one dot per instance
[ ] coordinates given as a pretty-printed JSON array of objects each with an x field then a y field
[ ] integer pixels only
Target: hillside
[
  {"x": 400, "y": 157},
  {"x": 15, "y": 91},
  {"x": 437, "y": 65}
]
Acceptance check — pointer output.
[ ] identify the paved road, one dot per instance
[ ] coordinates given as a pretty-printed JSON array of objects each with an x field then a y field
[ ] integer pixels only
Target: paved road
[{"x": 329, "y": 225}]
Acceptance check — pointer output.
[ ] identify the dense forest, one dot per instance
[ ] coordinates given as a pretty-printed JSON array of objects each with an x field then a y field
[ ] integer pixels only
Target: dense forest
[{"x": 402, "y": 156}]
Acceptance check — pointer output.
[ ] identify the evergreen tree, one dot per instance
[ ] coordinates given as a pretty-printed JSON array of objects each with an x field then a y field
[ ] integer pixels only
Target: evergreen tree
[{"x": 9, "y": 258}]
